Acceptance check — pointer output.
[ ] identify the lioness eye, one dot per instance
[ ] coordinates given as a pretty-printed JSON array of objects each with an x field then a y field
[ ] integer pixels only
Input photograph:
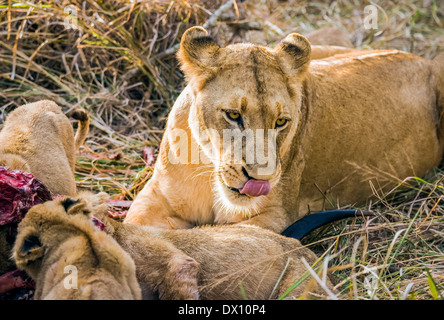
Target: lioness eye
[
  {"x": 281, "y": 122},
  {"x": 235, "y": 116}
]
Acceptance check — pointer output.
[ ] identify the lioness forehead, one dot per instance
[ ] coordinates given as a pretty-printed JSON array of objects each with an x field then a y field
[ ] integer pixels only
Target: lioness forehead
[
  {"x": 248, "y": 55},
  {"x": 249, "y": 77},
  {"x": 252, "y": 64}
]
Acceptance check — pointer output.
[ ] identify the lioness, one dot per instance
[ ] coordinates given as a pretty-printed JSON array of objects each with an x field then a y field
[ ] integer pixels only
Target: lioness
[
  {"x": 335, "y": 125},
  {"x": 69, "y": 258},
  {"x": 207, "y": 262},
  {"x": 39, "y": 138}
]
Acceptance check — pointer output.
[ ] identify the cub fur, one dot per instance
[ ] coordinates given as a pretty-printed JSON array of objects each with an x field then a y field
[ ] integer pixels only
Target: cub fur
[
  {"x": 55, "y": 240},
  {"x": 342, "y": 126},
  {"x": 209, "y": 262},
  {"x": 39, "y": 138}
]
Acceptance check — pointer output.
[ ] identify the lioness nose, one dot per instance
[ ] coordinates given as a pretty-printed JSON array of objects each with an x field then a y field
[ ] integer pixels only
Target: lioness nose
[
  {"x": 254, "y": 172},
  {"x": 245, "y": 172}
]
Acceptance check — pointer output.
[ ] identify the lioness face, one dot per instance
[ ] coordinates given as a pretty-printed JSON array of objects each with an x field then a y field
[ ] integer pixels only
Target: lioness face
[{"x": 245, "y": 112}]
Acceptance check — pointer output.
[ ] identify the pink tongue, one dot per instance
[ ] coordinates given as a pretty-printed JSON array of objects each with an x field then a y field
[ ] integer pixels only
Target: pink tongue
[{"x": 256, "y": 188}]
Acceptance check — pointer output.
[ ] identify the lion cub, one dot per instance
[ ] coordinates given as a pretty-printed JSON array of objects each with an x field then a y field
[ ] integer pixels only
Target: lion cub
[
  {"x": 210, "y": 262},
  {"x": 69, "y": 258},
  {"x": 39, "y": 138}
]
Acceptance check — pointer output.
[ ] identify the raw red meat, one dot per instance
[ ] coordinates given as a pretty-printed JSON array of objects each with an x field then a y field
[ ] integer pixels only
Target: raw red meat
[{"x": 19, "y": 191}]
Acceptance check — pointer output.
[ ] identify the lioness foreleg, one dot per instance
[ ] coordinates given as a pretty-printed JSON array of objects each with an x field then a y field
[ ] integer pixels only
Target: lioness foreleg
[
  {"x": 272, "y": 218},
  {"x": 153, "y": 209}
]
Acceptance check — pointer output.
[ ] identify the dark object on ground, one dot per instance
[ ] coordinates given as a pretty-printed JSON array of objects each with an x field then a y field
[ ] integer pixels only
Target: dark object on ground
[{"x": 310, "y": 222}]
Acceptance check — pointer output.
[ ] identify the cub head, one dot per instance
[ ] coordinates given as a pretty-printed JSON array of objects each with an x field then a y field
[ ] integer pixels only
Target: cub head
[
  {"x": 245, "y": 110},
  {"x": 39, "y": 230},
  {"x": 13, "y": 162},
  {"x": 61, "y": 233}
]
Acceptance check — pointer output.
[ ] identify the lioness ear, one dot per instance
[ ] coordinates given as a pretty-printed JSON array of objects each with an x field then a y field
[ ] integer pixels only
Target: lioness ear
[
  {"x": 27, "y": 247},
  {"x": 294, "y": 54},
  {"x": 75, "y": 206},
  {"x": 197, "y": 53}
]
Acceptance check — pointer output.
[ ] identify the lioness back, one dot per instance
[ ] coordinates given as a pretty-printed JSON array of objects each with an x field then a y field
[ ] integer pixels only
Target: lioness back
[{"x": 373, "y": 116}]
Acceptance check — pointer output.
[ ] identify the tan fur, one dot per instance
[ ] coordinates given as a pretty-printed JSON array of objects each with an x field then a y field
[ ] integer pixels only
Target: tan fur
[
  {"x": 210, "y": 262},
  {"x": 356, "y": 118},
  {"x": 323, "y": 51},
  {"x": 39, "y": 138},
  {"x": 51, "y": 240}
]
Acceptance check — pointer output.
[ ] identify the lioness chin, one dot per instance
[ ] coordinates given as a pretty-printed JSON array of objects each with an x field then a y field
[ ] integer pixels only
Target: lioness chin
[{"x": 330, "y": 130}]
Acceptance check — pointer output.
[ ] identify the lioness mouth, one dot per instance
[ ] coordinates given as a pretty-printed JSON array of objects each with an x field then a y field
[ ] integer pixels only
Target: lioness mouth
[
  {"x": 254, "y": 188},
  {"x": 233, "y": 189}
]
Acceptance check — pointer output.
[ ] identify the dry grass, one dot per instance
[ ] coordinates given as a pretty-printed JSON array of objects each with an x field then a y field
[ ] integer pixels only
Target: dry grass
[
  {"x": 119, "y": 66},
  {"x": 404, "y": 246}
]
